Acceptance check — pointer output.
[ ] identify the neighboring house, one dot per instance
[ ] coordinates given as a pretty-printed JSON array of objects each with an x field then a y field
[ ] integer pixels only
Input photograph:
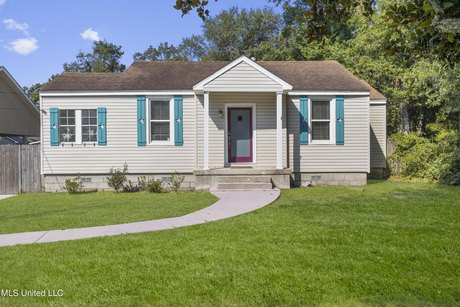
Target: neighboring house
[
  {"x": 220, "y": 124},
  {"x": 18, "y": 115}
]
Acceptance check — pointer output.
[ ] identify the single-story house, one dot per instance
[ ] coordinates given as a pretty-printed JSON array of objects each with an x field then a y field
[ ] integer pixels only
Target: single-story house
[
  {"x": 243, "y": 123},
  {"x": 18, "y": 115}
]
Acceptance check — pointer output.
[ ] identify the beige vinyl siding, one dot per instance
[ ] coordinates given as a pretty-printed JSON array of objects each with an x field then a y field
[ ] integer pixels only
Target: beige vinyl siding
[
  {"x": 17, "y": 117},
  {"x": 378, "y": 135},
  {"x": 353, "y": 156},
  {"x": 243, "y": 77},
  {"x": 121, "y": 141},
  {"x": 264, "y": 136}
]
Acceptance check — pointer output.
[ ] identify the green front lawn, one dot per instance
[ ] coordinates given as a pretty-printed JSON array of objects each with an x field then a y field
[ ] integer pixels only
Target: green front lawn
[
  {"x": 384, "y": 244},
  {"x": 46, "y": 211}
]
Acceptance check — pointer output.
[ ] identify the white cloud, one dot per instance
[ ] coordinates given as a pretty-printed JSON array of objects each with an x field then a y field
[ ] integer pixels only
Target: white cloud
[
  {"x": 2, "y": 2},
  {"x": 90, "y": 34},
  {"x": 12, "y": 24},
  {"x": 23, "y": 46}
]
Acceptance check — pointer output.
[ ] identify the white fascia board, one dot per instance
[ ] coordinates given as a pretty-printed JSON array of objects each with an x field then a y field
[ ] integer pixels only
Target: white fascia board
[
  {"x": 378, "y": 101},
  {"x": 199, "y": 87},
  {"x": 116, "y": 93},
  {"x": 333, "y": 93}
]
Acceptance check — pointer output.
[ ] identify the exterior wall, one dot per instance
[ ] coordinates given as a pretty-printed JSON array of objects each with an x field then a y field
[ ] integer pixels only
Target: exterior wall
[
  {"x": 121, "y": 141},
  {"x": 377, "y": 115},
  {"x": 243, "y": 77},
  {"x": 265, "y": 131},
  {"x": 17, "y": 116},
  {"x": 352, "y": 157},
  {"x": 331, "y": 179}
]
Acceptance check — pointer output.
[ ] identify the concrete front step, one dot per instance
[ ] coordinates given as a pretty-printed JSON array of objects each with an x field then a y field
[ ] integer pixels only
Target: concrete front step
[
  {"x": 244, "y": 179},
  {"x": 244, "y": 186}
]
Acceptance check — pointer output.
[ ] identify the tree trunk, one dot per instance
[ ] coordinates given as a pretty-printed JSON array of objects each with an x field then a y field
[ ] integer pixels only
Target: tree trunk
[{"x": 405, "y": 125}]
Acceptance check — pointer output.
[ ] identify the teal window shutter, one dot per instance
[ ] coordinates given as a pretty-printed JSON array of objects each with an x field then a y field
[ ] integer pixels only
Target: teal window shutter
[
  {"x": 303, "y": 120},
  {"x": 339, "y": 125},
  {"x": 54, "y": 126},
  {"x": 141, "y": 121},
  {"x": 101, "y": 126},
  {"x": 178, "y": 139}
]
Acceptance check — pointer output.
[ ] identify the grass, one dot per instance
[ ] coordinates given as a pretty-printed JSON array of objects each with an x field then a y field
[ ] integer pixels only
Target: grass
[
  {"x": 46, "y": 211},
  {"x": 383, "y": 244}
]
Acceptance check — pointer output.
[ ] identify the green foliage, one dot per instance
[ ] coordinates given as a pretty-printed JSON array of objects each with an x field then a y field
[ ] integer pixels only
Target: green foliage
[
  {"x": 151, "y": 185},
  {"x": 176, "y": 181},
  {"x": 226, "y": 36},
  {"x": 117, "y": 177},
  {"x": 105, "y": 57},
  {"x": 424, "y": 38},
  {"x": 436, "y": 159},
  {"x": 74, "y": 185}
]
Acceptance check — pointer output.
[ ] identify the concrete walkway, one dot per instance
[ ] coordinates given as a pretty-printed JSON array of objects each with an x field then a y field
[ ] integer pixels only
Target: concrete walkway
[
  {"x": 230, "y": 204},
  {"x": 6, "y": 196}
]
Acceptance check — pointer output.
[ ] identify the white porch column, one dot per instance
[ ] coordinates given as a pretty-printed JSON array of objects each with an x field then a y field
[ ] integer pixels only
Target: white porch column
[
  {"x": 279, "y": 130},
  {"x": 206, "y": 131}
]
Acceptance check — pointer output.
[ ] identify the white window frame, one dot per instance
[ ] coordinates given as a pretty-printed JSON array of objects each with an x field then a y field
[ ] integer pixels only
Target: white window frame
[
  {"x": 81, "y": 127},
  {"x": 78, "y": 128},
  {"x": 171, "y": 120},
  {"x": 332, "y": 119}
]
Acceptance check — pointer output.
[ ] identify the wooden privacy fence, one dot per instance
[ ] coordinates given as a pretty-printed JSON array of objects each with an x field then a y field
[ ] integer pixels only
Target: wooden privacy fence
[{"x": 20, "y": 169}]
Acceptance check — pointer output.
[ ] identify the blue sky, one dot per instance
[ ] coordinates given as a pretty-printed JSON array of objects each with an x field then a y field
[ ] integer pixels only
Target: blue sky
[{"x": 38, "y": 36}]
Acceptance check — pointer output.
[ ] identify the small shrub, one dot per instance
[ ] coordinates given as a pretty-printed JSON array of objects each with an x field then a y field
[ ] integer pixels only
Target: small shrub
[
  {"x": 154, "y": 186},
  {"x": 73, "y": 185},
  {"x": 130, "y": 187},
  {"x": 117, "y": 177},
  {"x": 176, "y": 181}
]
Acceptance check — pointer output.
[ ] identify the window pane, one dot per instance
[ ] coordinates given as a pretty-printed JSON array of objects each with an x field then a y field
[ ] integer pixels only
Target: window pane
[
  {"x": 89, "y": 134},
  {"x": 159, "y": 110},
  {"x": 85, "y": 121},
  {"x": 84, "y": 113},
  {"x": 67, "y": 134},
  {"x": 160, "y": 131},
  {"x": 320, "y": 130},
  {"x": 93, "y": 121},
  {"x": 320, "y": 110}
]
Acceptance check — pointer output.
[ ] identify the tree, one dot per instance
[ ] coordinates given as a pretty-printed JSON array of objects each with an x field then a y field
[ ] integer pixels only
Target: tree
[
  {"x": 191, "y": 48},
  {"x": 225, "y": 37},
  {"x": 422, "y": 34},
  {"x": 34, "y": 90},
  {"x": 105, "y": 57},
  {"x": 185, "y": 6}
]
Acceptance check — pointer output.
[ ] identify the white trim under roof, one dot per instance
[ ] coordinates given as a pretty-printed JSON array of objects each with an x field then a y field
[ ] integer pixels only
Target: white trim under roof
[
  {"x": 116, "y": 93},
  {"x": 345, "y": 93},
  {"x": 200, "y": 86}
]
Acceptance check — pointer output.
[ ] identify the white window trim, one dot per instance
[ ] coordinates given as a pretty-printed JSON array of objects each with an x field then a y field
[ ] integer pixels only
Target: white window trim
[
  {"x": 171, "y": 120},
  {"x": 254, "y": 131},
  {"x": 332, "y": 119},
  {"x": 78, "y": 129},
  {"x": 81, "y": 127}
]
